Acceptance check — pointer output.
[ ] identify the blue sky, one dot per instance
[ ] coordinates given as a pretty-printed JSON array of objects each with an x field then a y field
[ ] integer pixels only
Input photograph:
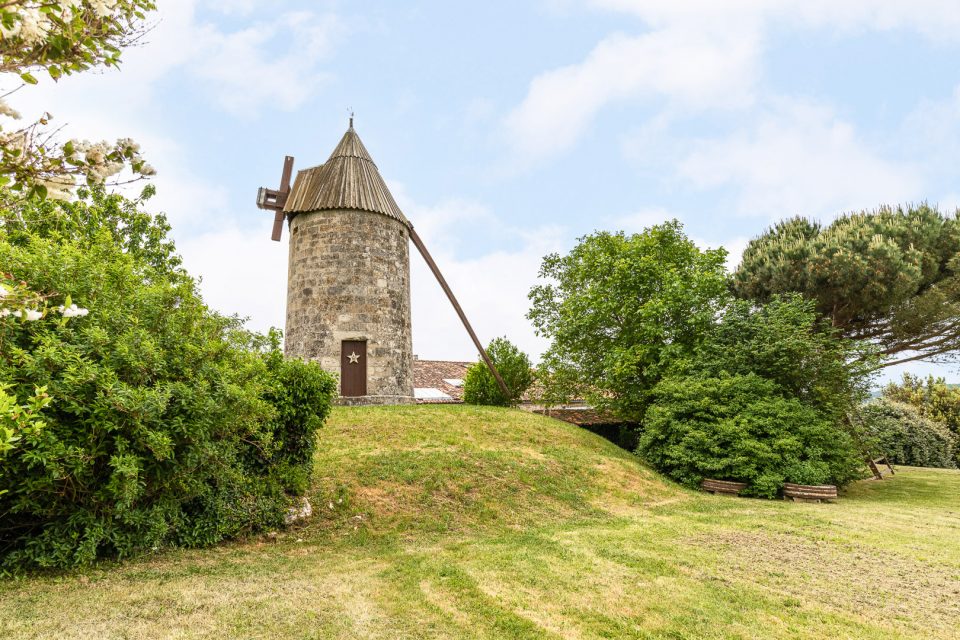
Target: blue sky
[{"x": 506, "y": 130}]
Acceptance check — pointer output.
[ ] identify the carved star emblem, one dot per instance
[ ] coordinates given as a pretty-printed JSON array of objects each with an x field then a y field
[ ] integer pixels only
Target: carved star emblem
[{"x": 353, "y": 358}]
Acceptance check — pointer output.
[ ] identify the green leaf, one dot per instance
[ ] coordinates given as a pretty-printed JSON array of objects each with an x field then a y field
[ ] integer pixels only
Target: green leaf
[
  {"x": 38, "y": 191},
  {"x": 28, "y": 78}
]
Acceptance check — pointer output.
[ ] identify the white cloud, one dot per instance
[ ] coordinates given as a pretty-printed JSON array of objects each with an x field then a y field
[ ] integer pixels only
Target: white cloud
[
  {"x": 242, "y": 271},
  {"x": 734, "y": 246},
  {"x": 275, "y": 64},
  {"x": 696, "y": 55},
  {"x": 932, "y": 18},
  {"x": 687, "y": 68},
  {"x": 948, "y": 203},
  {"x": 444, "y": 221},
  {"x": 799, "y": 159},
  {"x": 932, "y": 131},
  {"x": 233, "y": 7},
  {"x": 492, "y": 290},
  {"x": 244, "y": 70},
  {"x": 638, "y": 221}
]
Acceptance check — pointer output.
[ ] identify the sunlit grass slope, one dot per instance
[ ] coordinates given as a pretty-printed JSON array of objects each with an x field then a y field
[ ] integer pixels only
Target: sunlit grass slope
[
  {"x": 438, "y": 469},
  {"x": 458, "y": 522}
]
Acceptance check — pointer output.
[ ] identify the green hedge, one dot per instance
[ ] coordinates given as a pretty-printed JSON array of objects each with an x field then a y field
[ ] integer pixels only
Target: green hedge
[
  {"x": 901, "y": 432},
  {"x": 742, "y": 428},
  {"x": 167, "y": 425}
]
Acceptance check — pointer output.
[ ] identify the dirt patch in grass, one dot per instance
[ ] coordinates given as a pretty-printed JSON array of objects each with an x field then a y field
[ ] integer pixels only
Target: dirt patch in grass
[
  {"x": 386, "y": 499},
  {"x": 876, "y": 585}
]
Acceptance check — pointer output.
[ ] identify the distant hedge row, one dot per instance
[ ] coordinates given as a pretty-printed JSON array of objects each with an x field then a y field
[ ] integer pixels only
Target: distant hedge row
[{"x": 905, "y": 436}]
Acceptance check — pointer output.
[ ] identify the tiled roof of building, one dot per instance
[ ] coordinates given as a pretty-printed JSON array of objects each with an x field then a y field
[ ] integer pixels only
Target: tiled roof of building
[
  {"x": 434, "y": 374},
  {"x": 432, "y": 381},
  {"x": 584, "y": 415},
  {"x": 348, "y": 180}
]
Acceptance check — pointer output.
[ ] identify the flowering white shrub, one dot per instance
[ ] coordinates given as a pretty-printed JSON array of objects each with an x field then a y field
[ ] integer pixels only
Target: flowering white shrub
[
  {"x": 17, "y": 301},
  {"x": 63, "y": 37}
]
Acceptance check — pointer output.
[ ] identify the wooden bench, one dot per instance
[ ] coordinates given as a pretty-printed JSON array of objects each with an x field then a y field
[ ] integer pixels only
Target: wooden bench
[
  {"x": 880, "y": 467},
  {"x": 723, "y": 486},
  {"x": 809, "y": 493}
]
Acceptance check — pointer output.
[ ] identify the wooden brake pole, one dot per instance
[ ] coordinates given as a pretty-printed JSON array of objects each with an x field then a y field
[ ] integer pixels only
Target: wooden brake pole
[{"x": 456, "y": 305}]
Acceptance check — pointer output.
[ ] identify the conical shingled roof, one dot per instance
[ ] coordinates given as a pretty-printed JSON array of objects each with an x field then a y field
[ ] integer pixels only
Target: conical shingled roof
[{"x": 348, "y": 180}]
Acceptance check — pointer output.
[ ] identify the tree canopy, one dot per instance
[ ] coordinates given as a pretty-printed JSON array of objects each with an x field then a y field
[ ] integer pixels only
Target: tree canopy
[
  {"x": 785, "y": 341},
  {"x": 890, "y": 276},
  {"x": 906, "y": 436},
  {"x": 744, "y": 428},
  {"x": 619, "y": 308},
  {"x": 763, "y": 400}
]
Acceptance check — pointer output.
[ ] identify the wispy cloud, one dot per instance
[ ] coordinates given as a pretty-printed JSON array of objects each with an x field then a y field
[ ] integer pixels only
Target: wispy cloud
[
  {"x": 799, "y": 158},
  {"x": 275, "y": 63},
  {"x": 689, "y": 70},
  {"x": 693, "y": 56},
  {"x": 934, "y": 19}
]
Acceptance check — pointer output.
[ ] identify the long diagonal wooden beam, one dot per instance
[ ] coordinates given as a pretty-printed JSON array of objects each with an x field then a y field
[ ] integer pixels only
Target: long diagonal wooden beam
[{"x": 418, "y": 243}]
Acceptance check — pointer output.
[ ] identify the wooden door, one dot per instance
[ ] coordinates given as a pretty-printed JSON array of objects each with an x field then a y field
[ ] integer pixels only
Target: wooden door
[{"x": 353, "y": 368}]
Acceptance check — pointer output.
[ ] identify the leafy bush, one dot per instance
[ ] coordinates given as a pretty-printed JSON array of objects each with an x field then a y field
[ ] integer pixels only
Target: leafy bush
[
  {"x": 479, "y": 385},
  {"x": 764, "y": 401},
  {"x": 933, "y": 399},
  {"x": 16, "y": 420},
  {"x": 301, "y": 394},
  {"x": 786, "y": 342},
  {"x": 742, "y": 428},
  {"x": 901, "y": 432},
  {"x": 168, "y": 424}
]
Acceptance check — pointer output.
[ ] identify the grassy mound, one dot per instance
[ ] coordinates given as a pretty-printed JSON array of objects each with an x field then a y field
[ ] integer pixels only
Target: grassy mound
[
  {"x": 460, "y": 522},
  {"x": 456, "y": 468}
]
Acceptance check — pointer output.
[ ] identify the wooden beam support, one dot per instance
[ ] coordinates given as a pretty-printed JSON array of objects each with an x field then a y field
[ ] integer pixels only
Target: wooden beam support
[
  {"x": 418, "y": 243},
  {"x": 276, "y": 200}
]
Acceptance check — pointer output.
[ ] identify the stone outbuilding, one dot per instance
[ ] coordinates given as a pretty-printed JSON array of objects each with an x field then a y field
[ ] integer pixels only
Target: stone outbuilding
[{"x": 348, "y": 291}]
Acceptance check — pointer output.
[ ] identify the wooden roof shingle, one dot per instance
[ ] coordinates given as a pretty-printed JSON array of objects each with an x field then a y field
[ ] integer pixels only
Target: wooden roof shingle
[{"x": 349, "y": 179}]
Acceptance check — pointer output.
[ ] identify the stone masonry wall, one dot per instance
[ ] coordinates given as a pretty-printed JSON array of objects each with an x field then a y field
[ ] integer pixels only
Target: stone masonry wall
[{"x": 349, "y": 279}]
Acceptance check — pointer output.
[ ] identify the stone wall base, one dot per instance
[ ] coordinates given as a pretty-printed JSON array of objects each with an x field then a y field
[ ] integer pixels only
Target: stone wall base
[{"x": 366, "y": 401}]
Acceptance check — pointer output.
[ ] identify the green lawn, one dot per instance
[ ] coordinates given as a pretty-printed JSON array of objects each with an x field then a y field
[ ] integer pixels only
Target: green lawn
[{"x": 459, "y": 522}]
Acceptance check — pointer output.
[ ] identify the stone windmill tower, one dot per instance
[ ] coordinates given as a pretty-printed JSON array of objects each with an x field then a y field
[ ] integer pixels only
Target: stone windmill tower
[{"x": 348, "y": 287}]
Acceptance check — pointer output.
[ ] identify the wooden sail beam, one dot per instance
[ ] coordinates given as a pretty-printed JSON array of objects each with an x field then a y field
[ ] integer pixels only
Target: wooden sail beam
[
  {"x": 276, "y": 199},
  {"x": 418, "y": 243}
]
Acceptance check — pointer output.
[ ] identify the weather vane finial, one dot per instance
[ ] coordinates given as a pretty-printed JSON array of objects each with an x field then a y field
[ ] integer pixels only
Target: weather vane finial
[{"x": 351, "y": 117}]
